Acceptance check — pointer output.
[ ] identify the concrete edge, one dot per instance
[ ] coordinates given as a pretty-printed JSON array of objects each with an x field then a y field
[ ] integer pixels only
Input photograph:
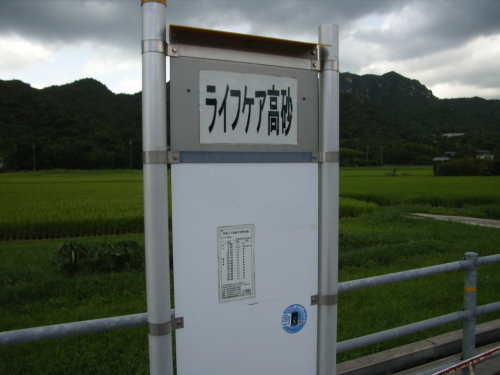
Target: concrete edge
[
  {"x": 418, "y": 353},
  {"x": 440, "y": 364},
  {"x": 461, "y": 219}
]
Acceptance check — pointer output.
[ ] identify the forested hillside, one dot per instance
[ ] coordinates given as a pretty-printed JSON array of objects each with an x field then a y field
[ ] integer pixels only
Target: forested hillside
[
  {"x": 399, "y": 121},
  {"x": 78, "y": 125},
  {"x": 383, "y": 119}
]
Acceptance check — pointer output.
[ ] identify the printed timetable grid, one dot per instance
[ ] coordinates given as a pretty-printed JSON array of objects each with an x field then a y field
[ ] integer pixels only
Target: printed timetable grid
[{"x": 236, "y": 277}]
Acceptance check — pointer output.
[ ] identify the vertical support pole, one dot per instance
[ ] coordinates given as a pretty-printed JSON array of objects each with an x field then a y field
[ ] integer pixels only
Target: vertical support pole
[
  {"x": 34, "y": 162},
  {"x": 328, "y": 201},
  {"x": 130, "y": 143},
  {"x": 470, "y": 303},
  {"x": 154, "y": 134}
]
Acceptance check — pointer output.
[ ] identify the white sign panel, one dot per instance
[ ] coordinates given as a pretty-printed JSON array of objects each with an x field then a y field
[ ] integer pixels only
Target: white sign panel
[
  {"x": 244, "y": 108},
  {"x": 236, "y": 276},
  {"x": 218, "y": 206}
]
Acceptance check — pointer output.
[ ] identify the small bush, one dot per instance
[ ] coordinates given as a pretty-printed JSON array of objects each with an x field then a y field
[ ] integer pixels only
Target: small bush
[
  {"x": 73, "y": 257},
  {"x": 349, "y": 207},
  {"x": 469, "y": 166},
  {"x": 495, "y": 168}
]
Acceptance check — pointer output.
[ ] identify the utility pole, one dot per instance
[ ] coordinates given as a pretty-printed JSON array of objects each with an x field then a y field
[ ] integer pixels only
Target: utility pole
[
  {"x": 34, "y": 161},
  {"x": 130, "y": 154},
  {"x": 381, "y": 162}
]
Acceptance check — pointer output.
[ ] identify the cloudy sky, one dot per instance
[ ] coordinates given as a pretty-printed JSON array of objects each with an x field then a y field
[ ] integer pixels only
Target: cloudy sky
[{"x": 451, "y": 46}]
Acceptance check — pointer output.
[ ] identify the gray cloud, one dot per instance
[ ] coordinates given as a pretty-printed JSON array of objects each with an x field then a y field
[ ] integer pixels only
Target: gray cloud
[
  {"x": 429, "y": 26},
  {"x": 118, "y": 21},
  {"x": 435, "y": 25},
  {"x": 282, "y": 17},
  {"x": 65, "y": 22},
  {"x": 422, "y": 30}
]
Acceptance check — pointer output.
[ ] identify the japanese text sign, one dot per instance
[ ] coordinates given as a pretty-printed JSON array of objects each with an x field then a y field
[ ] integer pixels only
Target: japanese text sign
[{"x": 243, "y": 108}]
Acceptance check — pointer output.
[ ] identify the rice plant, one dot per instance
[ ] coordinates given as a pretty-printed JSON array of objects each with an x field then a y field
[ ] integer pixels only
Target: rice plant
[{"x": 38, "y": 206}]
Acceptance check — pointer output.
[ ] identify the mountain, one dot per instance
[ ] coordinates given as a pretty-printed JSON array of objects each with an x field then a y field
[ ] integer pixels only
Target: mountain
[
  {"x": 387, "y": 118},
  {"x": 79, "y": 125},
  {"x": 406, "y": 120},
  {"x": 390, "y": 90}
]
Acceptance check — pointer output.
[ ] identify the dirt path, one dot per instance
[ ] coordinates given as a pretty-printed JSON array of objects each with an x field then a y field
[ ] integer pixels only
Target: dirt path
[{"x": 463, "y": 219}]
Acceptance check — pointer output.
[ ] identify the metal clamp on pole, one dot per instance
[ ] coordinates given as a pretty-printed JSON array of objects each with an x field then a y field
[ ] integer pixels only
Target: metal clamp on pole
[
  {"x": 154, "y": 157},
  {"x": 330, "y": 65},
  {"x": 325, "y": 300},
  {"x": 154, "y": 45},
  {"x": 165, "y": 328},
  {"x": 326, "y": 157},
  {"x": 160, "y": 329}
]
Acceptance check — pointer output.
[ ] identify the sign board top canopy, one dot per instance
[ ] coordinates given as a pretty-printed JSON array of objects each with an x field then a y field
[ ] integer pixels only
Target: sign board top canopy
[{"x": 242, "y": 42}]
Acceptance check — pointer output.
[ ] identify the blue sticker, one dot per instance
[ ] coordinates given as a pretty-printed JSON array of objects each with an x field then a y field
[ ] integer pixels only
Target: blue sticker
[{"x": 294, "y": 318}]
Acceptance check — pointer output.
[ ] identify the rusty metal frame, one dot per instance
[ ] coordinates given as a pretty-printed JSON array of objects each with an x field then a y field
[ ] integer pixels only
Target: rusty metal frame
[{"x": 470, "y": 362}]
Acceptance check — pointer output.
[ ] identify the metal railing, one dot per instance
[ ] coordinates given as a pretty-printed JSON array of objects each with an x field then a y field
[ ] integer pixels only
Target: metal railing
[{"x": 468, "y": 315}]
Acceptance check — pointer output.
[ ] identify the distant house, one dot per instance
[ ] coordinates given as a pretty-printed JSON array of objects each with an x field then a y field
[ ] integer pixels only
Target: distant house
[
  {"x": 441, "y": 158},
  {"x": 449, "y": 135},
  {"x": 484, "y": 154},
  {"x": 450, "y": 153}
]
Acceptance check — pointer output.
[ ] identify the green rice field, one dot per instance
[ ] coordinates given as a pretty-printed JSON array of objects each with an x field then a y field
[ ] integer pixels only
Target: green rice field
[
  {"x": 415, "y": 189},
  {"x": 377, "y": 236},
  {"x": 61, "y": 204}
]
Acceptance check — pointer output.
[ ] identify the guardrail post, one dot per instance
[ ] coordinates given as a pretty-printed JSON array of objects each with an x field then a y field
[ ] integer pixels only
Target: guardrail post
[{"x": 470, "y": 300}]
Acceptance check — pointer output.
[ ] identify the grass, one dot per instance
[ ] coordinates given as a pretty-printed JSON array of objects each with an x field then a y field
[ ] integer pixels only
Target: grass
[
  {"x": 349, "y": 207},
  {"x": 388, "y": 241},
  {"x": 34, "y": 294},
  {"x": 377, "y": 237},
  {"x": 385, "y": 241}
]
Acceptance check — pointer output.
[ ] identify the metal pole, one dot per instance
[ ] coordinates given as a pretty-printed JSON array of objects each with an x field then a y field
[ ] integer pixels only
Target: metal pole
[
  {"x": 22, "y": 336},
  {"x": 489, "y": 259},
  {"x": 154, "y": 130},
  {"x": 401, "y": 331},
  {"x": 470, "y": 299},
  {"x": 328, "y": 200},
  {"x": 348, "y": 286}
]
